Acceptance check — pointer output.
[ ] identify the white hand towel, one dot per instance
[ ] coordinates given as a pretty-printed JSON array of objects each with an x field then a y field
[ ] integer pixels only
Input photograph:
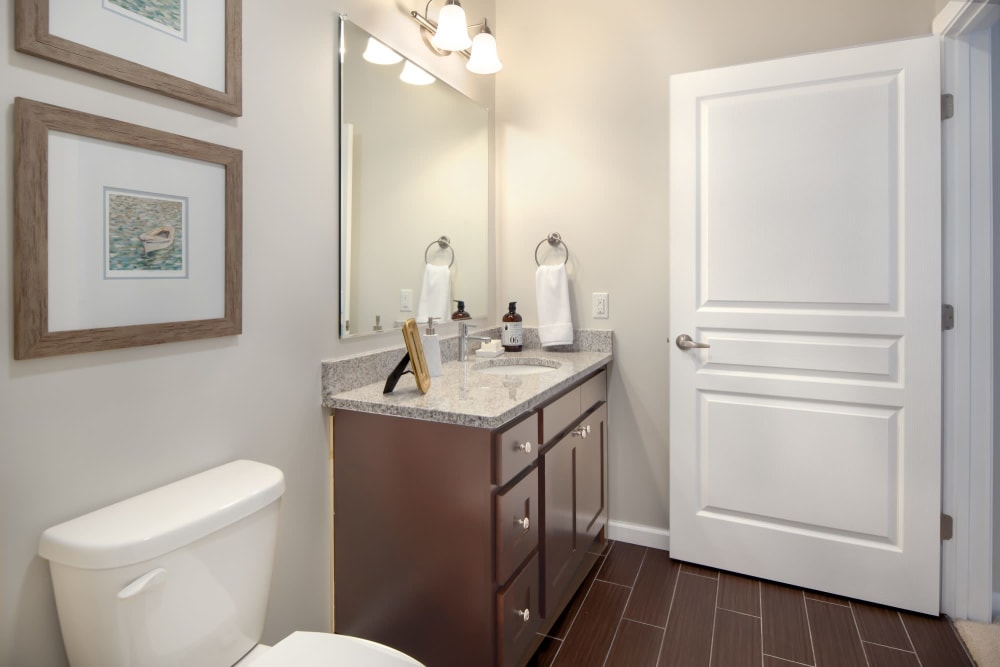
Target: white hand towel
[
  {"x": 555, "y": 323},
  {"x": 435, "y": 294}
]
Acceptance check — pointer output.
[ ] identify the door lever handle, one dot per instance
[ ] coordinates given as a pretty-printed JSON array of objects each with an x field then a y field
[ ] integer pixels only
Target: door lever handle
[{"x": 685, "y": 342}]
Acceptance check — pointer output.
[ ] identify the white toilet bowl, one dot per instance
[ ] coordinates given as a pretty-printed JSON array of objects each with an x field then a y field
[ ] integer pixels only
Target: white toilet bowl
[{"x": 322, "y": 649}]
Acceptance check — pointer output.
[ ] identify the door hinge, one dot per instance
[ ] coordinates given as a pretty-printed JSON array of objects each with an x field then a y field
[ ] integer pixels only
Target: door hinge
[
  {"x": 946, "y": 527},
  {"x": 947, "y": 317},
  {"x": 947, "y": 106}
]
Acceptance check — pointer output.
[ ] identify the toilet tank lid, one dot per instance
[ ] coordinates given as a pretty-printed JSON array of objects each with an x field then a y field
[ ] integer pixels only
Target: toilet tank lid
[{"x": 164, "y": 519}]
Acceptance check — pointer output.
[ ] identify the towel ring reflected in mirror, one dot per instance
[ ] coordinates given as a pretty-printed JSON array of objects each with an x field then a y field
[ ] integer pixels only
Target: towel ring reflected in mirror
[
  {"x": 553, "y": 239},
  {"x": 443, "y": 242}
]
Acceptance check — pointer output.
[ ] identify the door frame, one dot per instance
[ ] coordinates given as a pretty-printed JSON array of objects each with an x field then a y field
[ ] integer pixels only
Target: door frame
[{"x": 967, "y": 391}]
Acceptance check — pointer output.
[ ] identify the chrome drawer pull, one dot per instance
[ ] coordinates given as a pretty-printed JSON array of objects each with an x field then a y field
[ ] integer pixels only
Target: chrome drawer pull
[
  {"x": 524, "y": 447},
  {"x": 581, "y": 431},
  {"x": 524, "y": 523},
  {"x": 525, "y": 614}
]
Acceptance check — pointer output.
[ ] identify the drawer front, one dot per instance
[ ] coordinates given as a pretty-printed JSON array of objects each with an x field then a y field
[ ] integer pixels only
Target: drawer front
[
  {"x": 517, "y": 615},
  {"x": 515, "y": 449},
  {"x": 559, "y": 414},
  {"x": 594, "y": 391},
  {"x": 516, "y": 525}
]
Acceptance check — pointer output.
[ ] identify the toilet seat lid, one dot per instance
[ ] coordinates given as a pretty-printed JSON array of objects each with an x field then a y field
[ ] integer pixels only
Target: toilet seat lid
[{"x": 323, "y": 649}]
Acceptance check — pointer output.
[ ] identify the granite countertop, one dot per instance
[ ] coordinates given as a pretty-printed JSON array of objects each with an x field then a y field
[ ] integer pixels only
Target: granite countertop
[{"x": 463, "y": 395}]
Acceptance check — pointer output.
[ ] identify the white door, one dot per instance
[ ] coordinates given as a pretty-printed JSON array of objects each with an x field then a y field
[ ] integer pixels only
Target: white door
[{"x": 805, "y": 443}]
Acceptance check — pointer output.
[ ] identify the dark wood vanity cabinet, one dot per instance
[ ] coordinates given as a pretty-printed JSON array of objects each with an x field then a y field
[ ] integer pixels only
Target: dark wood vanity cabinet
[{"x": 458, "y": 545}]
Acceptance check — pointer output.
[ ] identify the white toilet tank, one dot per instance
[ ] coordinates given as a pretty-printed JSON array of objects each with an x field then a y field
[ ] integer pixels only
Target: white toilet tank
[{"x": 176, "y": 576}]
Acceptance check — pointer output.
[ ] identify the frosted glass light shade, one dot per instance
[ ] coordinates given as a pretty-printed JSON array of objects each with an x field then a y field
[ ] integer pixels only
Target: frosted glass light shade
[
  {"x": 484, "y": 58},
  {"x": 452, "y": 31},
  {"x": 414, "y": 75},
  {"x": 378, "y": 53}
]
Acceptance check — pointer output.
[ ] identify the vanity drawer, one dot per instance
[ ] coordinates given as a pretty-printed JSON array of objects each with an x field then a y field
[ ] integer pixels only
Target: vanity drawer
[
  {"x": 516, "y": 525},
  {"x": 594, "y": 391},
  {"x": 559, "y": 414},
  {"x": 518, "y": 616},
  {"x": 515, "y": 449}
]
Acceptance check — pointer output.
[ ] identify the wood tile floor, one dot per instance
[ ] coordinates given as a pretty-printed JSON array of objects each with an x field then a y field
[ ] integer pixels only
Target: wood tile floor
[{"x": 638, "y": 607}]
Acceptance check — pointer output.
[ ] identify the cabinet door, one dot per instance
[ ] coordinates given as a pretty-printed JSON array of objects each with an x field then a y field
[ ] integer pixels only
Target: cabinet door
[
  {"x": 591, "y": 453},
  {"x": 560, "y": 555}
]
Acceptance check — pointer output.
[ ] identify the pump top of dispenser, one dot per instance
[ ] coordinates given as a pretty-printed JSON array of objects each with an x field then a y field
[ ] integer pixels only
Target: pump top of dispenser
[
  {"x": 430, "y": 326},
  {"x": 512, "y": 307},
  {"x": 460, "y": 314}
]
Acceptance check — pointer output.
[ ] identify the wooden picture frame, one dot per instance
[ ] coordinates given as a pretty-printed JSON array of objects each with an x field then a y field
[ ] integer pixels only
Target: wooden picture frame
[
  {"x": 63, "y": 252},
  {"x": 34, "y": 35}
]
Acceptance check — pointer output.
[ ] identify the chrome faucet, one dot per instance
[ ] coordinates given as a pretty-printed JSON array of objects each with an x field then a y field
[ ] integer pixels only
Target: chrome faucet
[{"x": 464, "y": 338}]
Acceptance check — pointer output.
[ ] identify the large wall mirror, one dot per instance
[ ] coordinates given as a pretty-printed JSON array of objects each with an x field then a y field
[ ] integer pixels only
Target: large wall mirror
[{"x": 414, "y": 191}]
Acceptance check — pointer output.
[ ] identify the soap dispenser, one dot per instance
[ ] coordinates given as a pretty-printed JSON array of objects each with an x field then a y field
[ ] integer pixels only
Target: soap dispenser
[
  {"x": 511, "y": 335},
  {"x": 460, "y": 314},
  {"x": 432, "y": 349}
]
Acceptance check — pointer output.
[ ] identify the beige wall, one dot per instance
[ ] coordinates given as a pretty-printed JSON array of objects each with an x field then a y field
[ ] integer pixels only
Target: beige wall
[
  {"x": 74, "y": 430},
  {"x": 582, "y": 135}
]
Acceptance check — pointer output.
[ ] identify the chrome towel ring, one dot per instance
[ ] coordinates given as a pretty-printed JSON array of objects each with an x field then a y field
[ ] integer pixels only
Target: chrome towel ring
[
  {"x": 554, "y": 239},
  {"x": 443, "y": 242}
]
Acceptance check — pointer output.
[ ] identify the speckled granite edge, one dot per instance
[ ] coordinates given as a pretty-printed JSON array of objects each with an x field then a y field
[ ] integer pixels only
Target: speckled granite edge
[{"x": 341, "y": 375}]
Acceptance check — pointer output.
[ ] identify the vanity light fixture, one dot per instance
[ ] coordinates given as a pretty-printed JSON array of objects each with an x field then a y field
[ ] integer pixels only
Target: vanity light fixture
[
  {"x": 414, "y": 75},
  {"x": 378, "y": 53},
  {"x": 450, "y": 34}
]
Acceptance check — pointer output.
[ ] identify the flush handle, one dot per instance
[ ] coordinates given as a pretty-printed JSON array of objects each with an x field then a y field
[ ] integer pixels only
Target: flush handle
[
  {"x": 143, "y": 583},
  {"x": 685, "y": 342}
]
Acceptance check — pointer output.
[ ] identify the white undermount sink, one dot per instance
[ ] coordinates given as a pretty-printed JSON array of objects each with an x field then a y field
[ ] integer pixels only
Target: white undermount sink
[{"x": 515, "y": 366}]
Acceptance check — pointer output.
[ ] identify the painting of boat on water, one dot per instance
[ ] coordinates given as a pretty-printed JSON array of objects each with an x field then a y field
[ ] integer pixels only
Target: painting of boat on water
[
  {"x": 169, "y": 16},
  {"x": 145, "y": 235}
]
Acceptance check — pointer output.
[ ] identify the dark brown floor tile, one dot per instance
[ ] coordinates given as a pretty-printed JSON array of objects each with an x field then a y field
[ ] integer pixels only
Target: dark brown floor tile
[
  {"x": 835, "y": 635},
  {"x": 883, "y": 656},
  {"x": 785, "y": 628},
  {"x": 546, "y": 653},
  {"x": 739, "y": 593},
  {"x": 826, "y": 597},
  {"x": 688, "y": 639},
  {"x": 881, "y": 625},
  {"x": 594, "y": 628},
  {"x": 737, "y": 640},
  {"x": 653, "y": 590},
  {"x": 935, "y": 640},
  {"x": 700, "y": 570},
  {"x": 635, "y": 645},
  {"x": 771, "y": 661},
  {"x": 622, "y": 564},
  {"x": 565, "y": 620}
]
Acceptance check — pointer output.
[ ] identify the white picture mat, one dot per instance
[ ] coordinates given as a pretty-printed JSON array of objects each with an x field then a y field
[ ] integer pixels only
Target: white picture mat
[
  {"x": 201, "y": 58},
  {"x": 79, "y": 297}
]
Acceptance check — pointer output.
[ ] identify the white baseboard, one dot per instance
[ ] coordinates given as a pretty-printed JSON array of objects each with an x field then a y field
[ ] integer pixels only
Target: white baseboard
[{"x": 634, "y": 533}]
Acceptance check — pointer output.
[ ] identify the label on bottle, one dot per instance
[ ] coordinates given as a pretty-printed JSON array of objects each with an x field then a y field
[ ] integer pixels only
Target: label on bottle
[{"x": 510, "y": 335}]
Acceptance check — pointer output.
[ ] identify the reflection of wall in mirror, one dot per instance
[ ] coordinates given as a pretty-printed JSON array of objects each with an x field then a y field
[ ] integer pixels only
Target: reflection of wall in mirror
[{"x": 420, "y": 171}]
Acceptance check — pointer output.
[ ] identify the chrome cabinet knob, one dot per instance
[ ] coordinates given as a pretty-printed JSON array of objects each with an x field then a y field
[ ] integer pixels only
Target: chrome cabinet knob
[
  {"x": 524, "y": 523},
  {"x": 524, "y": 447},
  {"x": 525, "y": 614},
  {"x": 581, "y": 431}
]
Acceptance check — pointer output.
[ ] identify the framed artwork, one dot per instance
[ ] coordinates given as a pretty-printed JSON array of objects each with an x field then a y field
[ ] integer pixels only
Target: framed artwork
[
  {"x": 123, "y": 235},
  {"x": 187, "y": 49}
]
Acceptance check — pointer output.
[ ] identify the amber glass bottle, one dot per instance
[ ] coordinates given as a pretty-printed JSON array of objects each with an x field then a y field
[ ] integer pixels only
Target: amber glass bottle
[{"x": 510, "y": 333}]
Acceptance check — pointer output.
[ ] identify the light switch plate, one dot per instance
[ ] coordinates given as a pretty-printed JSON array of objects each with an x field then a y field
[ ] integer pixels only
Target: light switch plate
[
  {"x": 405, "y": 300},
  {"x": 600, "y": 305}
]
